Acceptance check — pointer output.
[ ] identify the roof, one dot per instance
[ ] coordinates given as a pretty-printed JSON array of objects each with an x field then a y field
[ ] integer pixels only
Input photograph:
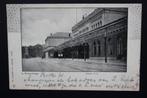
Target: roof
[
  {"x": 95, "y": 12},
  {"x": 60, "y": 34}
]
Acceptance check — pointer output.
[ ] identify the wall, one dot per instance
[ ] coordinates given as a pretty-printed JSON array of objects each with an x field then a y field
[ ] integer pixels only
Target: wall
[
  {"x": 55, "y": 41},
  {"x": 110, "y": 16}
]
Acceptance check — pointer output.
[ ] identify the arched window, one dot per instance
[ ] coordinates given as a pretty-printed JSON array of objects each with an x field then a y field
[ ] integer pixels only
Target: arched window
[
  {"x": 99, "y": 47},
  {"x": 94, "y": 46},
  {"x": 100, "y": 23},
  {"x": 110, "y": 46},
  {"x": 87, "y": 50},
  {"x": 119, "y": 46}
]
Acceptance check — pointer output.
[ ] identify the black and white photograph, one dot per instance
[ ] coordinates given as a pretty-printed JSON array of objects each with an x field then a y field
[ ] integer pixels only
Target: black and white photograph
[
  {"x": 74, "y": 46},
  {"x": 74, "y": 39}
]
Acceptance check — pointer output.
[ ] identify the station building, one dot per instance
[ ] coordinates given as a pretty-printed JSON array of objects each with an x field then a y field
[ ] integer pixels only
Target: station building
[{"x": 100, "y": 35}]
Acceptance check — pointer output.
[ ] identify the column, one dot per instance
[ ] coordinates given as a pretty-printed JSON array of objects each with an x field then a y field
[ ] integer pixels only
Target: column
[{"x": 46, "y": 54}]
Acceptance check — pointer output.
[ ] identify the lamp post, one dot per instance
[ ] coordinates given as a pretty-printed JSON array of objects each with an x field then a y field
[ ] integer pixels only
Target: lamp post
[
  {"x": 105, "y": 37},
  {"x": 72, "y": 52},
  {"x": 84, "y": 52}
]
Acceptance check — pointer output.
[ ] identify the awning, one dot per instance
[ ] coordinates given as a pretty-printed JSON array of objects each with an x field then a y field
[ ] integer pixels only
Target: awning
[{"x": 48, "y": 49}]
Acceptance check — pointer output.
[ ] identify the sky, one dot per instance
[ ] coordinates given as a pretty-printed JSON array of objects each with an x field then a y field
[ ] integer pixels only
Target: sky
[{"x": 37, "y": 24}]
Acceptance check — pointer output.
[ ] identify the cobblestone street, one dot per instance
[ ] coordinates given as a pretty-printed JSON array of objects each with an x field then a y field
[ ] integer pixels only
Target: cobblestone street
[{"x": 69, "y": 65}]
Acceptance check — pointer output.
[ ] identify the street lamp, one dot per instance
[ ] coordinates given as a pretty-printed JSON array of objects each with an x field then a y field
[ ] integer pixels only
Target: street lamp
[
  {"x": 72, "y": 52},
  {"x": 105, "y": 37},
  {"x": 84, "y": 52}
]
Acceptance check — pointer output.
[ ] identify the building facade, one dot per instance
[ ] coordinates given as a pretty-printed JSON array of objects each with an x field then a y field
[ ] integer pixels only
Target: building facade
[
  {"x": 53, "y": 41},
  {"x": 100, "y": 35},
  {"x": 25, "y": 52}
]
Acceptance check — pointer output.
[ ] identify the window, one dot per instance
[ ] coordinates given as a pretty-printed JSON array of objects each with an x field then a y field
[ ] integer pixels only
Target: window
[
  {"x": 100, "y": 23},
  {"x": 92, "y": 26},
  {"x": 119, "y": 46},
  {"x": 94, "y": 46},
  {"x": 99, "y": 48},
  {"x": 87, "y": 28}
]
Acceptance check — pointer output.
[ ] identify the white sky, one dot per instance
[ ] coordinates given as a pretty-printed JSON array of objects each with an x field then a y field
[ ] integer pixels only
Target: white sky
[{"x": 37, "y": 24}]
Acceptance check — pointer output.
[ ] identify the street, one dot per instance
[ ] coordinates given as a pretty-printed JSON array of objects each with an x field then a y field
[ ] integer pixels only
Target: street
[{"x": 69, "y": 65}]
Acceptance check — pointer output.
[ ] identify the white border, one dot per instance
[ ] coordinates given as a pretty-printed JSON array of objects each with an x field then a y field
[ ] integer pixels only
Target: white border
[{"x": 16, "y": 76}]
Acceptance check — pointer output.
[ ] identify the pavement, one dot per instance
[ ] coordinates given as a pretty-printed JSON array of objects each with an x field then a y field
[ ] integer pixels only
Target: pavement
[{"x": 71, "y": 65}]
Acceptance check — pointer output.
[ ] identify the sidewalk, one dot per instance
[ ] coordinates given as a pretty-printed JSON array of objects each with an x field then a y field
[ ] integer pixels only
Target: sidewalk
[{"x": 112, "y": 62}]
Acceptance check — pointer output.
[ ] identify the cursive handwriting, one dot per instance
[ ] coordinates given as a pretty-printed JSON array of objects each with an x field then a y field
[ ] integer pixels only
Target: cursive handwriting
[{"x": 64, "y": 81}]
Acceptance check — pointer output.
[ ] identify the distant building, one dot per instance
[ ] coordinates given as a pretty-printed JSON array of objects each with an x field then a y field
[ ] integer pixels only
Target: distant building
[
  {"x": 32, "y": 51},
  {"x": 54, "y": 40},
  {"x": 25, "y": 52},
  {"x": 100, "y": 35}
]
